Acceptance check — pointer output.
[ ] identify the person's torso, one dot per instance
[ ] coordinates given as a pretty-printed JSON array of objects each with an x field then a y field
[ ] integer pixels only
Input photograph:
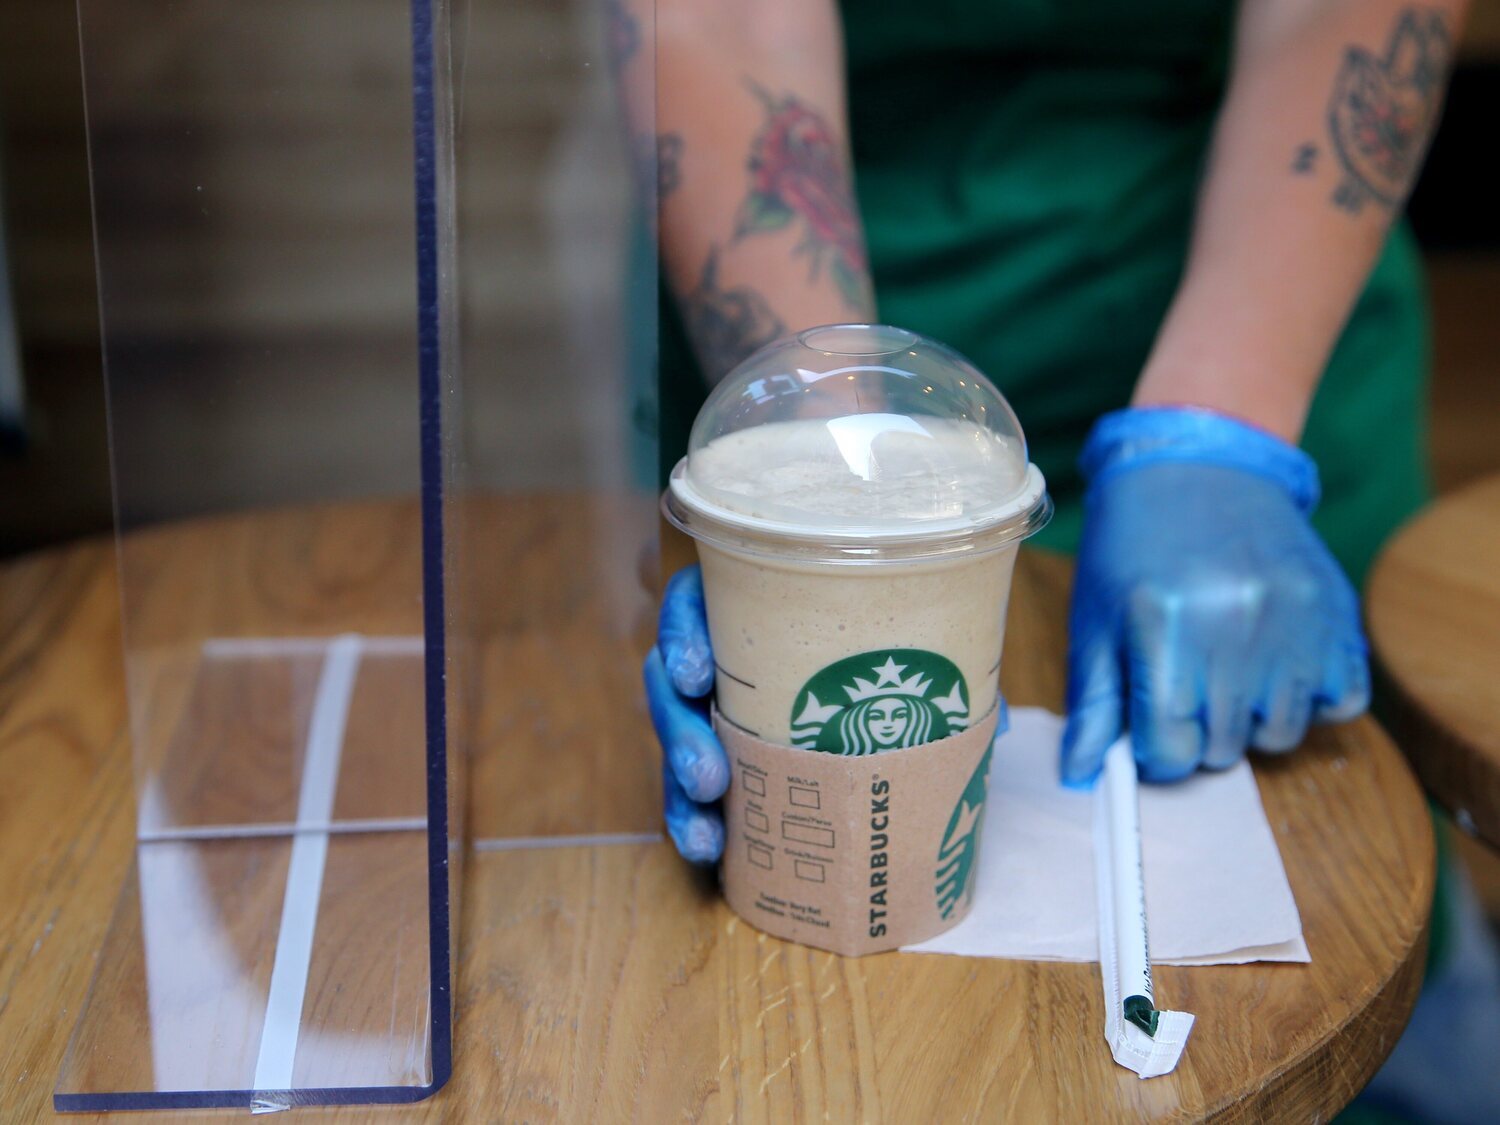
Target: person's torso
[{"x": 1026, "y": 171}]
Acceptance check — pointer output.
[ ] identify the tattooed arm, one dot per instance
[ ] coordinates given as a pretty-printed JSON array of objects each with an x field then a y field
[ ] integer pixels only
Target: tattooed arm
[
  {"x": 1328, "y": 115},
  {"x": 760, "y": 234}
]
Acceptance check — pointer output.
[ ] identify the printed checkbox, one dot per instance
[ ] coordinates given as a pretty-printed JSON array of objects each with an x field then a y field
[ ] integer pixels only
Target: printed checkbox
[
  {"x": 758, "y": 854},
  {"x": 757, "y": 820},
  {"x": 804, "y": 798},
  {"x": 807, "y": 833},
  {"x": 754, "y": 783},
  {"x": 809, "y": 871}
]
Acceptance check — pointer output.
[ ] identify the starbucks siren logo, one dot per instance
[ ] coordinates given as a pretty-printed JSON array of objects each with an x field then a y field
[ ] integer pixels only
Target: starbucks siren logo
[
  {"x": 880, "y": 701},
  {"x": 954, "y": 880}
]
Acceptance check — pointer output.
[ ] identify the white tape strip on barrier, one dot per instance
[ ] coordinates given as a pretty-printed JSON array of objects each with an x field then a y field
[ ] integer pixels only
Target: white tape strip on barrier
[{"x": 304, "y": 877}]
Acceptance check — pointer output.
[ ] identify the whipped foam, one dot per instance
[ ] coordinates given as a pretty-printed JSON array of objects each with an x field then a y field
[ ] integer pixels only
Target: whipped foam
[{"x": 867, "y": 472}]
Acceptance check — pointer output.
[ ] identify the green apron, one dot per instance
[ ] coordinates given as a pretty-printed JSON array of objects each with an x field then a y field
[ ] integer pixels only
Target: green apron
[{"x": 1026, "y": 170}]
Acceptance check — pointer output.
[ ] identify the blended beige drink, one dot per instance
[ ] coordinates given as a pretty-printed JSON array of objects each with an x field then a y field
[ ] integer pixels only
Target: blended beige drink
[
  {"x": 849, "y": 658},
  {"x": 857, "y": 509}
]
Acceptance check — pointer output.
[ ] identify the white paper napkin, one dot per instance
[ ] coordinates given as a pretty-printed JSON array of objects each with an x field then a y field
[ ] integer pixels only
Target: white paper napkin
[{"x": 1216, "y": 891}]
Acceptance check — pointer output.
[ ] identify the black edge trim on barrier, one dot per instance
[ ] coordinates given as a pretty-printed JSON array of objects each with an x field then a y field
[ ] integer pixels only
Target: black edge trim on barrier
[
  {"x": 429, "y": 323},
  {"x": 241, "y": 1099}
]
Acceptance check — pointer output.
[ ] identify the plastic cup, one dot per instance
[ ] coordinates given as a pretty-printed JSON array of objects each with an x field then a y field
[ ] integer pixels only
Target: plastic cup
[{"x": 857, "y": 494}]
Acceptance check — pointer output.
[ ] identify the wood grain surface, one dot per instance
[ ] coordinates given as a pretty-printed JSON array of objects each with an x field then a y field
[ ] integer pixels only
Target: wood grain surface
[
  {"x": 610, "y": 983},
  {"x": 1434, "y": 612}
]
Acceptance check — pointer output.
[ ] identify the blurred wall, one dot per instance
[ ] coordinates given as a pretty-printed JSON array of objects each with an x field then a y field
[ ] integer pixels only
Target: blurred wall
[
  {"x": 57, "y": 485},
  {"x": 255, "y": 192}
]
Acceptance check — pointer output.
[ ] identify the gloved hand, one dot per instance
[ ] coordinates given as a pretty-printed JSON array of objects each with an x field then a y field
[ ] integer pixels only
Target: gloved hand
[
  {"x": 679, "y": 676},
  {"x": 1207, "y": 614}
]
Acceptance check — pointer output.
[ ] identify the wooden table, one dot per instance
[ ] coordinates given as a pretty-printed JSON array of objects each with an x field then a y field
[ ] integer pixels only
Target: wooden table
[
  {"x": 576, "y": 1003},
  {"x": 1434, "y": 612}
]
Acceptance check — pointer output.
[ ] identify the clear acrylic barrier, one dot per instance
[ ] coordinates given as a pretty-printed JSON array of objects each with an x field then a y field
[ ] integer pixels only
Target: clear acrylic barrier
[
  {"x": 332, "y": 562},
  {"x": 272, "y": 194}
]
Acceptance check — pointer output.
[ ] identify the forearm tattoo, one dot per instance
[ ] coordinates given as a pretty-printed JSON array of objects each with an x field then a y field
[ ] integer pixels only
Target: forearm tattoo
[
  {"x": 622, "y": 34},
  {"x": 1383, "y": 111},
  {"x": 726, "y": 325},
  {"x": 798, "y": 175},
  {"x": 668, "y": 163}
]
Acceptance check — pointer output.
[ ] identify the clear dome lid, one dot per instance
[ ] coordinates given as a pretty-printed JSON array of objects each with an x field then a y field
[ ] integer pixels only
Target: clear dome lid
[{"x": 860, "y": 443}]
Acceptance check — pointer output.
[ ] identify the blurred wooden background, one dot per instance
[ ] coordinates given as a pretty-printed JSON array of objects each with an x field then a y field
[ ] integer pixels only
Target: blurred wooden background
[{"x": 275, "y": 357}]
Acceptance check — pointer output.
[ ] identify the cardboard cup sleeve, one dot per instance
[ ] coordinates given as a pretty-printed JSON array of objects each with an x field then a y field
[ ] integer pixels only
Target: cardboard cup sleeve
[{"x": 854, "y": 854}]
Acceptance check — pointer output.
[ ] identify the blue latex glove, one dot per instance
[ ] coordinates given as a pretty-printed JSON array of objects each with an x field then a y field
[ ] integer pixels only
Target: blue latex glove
[
  {"x": 1208, "y": 616},
  {"x": 679, "y": 677}
]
